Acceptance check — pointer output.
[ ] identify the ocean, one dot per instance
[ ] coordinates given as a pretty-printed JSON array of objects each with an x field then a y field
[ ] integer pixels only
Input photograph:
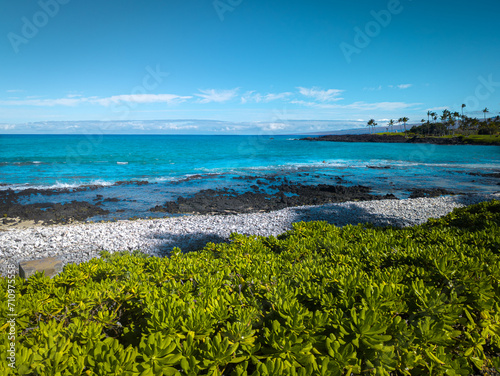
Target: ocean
[{"x": 177, "y": 165}]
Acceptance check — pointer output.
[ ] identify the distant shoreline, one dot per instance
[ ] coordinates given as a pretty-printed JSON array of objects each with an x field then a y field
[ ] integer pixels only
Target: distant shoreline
[{"x": 459, "y": 140}]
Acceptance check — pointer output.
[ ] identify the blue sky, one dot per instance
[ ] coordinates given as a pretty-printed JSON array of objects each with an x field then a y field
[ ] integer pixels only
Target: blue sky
[{"x": 241, "y": 66}]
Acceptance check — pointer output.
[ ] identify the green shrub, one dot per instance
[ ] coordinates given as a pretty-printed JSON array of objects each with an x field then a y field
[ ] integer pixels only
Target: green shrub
[{"x": 317, "y": 300}]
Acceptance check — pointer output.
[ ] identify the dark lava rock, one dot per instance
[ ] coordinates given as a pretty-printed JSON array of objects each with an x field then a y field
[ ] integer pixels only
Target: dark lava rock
[
  {"x": 389, "y": 196},
  {"x": 132, "y": 182},
  {"x": 490, "y": 175},
  {"x": 379, "y": 167},
  {"x": 46, "y": 212},
  {"x": 50, "y": 213},
  {"x": 111, "y": 199},
  {"x": 436, "y": 192},
  {"x": 395, "y": 139},
  {"x": 358, "y": 138},
  {"x": 211, "y": 201}
]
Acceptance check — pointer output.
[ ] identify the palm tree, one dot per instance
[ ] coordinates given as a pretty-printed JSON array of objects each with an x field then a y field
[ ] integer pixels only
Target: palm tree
[
  {"x": 371, "y": 123},
  {"x": 429, "y": 113},
  {"x": 456, "y": 116},
  {"x": 434, "y": 116},
  {"x": 463, "y": 105},
  {"x": 485, "y": 111},
  {"x": 391, "y": 124},
  {"x": 445, "y": 117},
  {"x": 404, "y": 120},
  {"x": 451, "y": 124},
  {"x": 475, "y": 124}
]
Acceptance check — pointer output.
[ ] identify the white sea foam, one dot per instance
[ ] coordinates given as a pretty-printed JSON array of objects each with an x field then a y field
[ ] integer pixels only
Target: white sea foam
[
  {"x": 104, "y": 183},
  {"x": 57, "y": 185}
]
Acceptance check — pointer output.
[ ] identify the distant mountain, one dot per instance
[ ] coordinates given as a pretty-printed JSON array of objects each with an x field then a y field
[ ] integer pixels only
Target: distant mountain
[{"x": 365, "y": 130}]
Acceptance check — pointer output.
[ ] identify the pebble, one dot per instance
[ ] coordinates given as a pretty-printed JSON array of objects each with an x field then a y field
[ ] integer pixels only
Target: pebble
[{"x": 81, "y": 242}]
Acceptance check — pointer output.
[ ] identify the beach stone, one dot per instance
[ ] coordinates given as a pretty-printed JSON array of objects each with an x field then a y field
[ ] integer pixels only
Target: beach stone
[
  {"x": 50, "y": 265},
  {"x": 81, "y": 242}
]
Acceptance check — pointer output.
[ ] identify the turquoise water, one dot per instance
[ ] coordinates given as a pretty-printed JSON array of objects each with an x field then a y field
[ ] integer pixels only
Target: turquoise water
[
  {"x": 55, "y": 160},
  {"x": 181, "y": 165}
]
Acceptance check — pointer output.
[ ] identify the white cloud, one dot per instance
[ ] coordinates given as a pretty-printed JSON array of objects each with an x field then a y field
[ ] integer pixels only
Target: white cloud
[
  {"x": 15, "y": 91},
  {"x": 378, "y": 88},
  {"x": 381, "y": 106},
  {"x": 176, "y": 126},
  {"x": 275, "y": 96},
  {"x": 437, "y": 109},
  {"x": 73, "y": 100},
  {"x": 181, "y": 126},
  {"x": 219, "y": 96},
  {"x": 252, "y": 96},
  {"x": 249, "y": 95},
  {"x": 41, "y": 102},
  {"x": 140, "y": 98},
  {"x": 273, "y": 126},
  {"x": 312, "y": 104},
  {"x": 7, "y": 126},
  {"x": 363, "y": 106},
  {"x": 329, "y": 95}
]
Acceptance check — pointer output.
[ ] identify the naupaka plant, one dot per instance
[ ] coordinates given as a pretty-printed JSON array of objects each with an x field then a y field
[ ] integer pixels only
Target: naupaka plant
[{"x": 316, "y": 300}]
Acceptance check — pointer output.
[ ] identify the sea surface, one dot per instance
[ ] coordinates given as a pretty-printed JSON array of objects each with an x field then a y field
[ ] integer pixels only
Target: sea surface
[{"x": 176, "y": 166}]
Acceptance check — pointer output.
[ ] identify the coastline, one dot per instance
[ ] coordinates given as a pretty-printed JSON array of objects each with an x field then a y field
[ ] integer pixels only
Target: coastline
[
  {"x": 400, "y": 139},
  {"x": 259, "y": 194},
  {"x": 81, "y": 242}
]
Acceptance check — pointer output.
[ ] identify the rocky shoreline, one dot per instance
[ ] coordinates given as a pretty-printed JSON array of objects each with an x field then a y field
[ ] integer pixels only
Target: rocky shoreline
[
  {"x": 228, "y": 201},
  {"x": 288, "y": 195},
  {"x": 12, "y": 212},
  {"x": 264, "y": 195},
  {"x": 396, "y": 139},
  {"x": 81, "y": 242}
]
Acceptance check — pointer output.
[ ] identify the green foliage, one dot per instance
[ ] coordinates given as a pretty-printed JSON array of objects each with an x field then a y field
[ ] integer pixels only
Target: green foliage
[
  {"x": 317, "y": 300},
  {"x": 469, "y": 130}
]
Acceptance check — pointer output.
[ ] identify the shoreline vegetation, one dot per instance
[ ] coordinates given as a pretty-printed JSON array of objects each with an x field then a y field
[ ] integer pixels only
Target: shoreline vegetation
[
  {"x": 410, "y": 139},
  {"x": 453, "y": 129},
  {"x": 316, "y": 300}
]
